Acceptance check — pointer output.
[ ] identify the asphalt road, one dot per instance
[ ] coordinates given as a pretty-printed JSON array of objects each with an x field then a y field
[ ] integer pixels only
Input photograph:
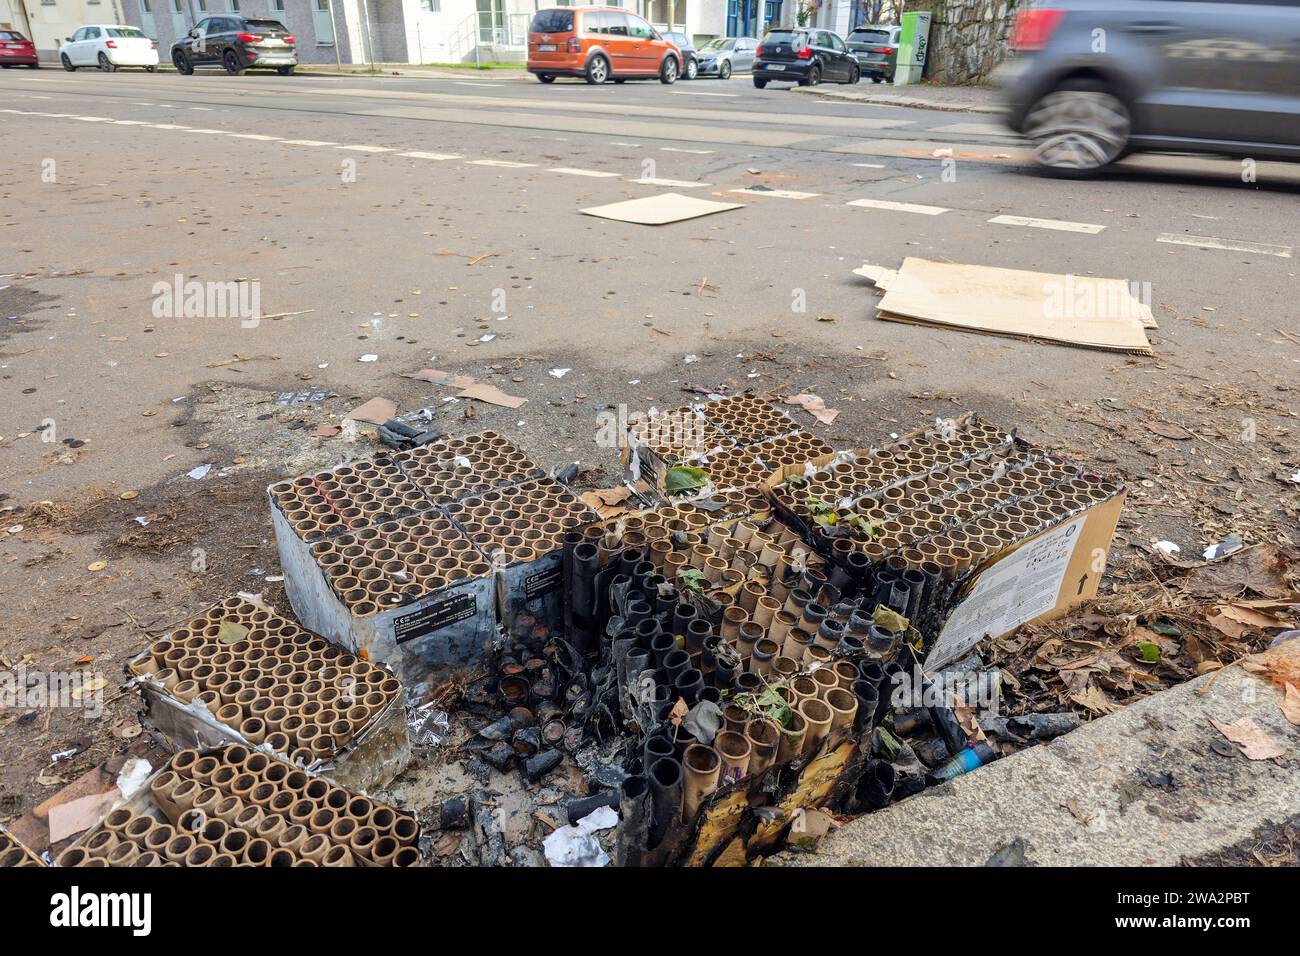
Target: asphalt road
[{"x": 395, "y": 217}]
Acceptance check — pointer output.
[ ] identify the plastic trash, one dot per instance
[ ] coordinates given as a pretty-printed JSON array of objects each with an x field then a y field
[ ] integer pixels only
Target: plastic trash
[
  {"x": 428, "y": 726},
  {"x": 575, "y": 845}
]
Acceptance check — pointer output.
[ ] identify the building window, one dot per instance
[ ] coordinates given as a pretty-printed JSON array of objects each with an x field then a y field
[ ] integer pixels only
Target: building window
[
  {"x": 279, "y": 6},
  {"x": 431, "y": 6},
  {"x": 234, "y": 6},
  {"x": 203, "y": 5}
]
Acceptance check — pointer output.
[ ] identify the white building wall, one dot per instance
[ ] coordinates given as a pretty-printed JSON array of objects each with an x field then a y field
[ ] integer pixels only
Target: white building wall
[{"x": 49, "y": 23}]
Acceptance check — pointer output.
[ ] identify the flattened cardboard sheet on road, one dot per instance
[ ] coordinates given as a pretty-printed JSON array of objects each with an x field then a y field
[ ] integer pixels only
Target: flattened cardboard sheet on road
[
  {"x": 661, "y": 209},
  {"x": 1066, "y": 309}
]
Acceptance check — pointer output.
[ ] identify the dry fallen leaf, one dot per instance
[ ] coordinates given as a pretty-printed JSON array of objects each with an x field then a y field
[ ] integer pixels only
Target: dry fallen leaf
[
  {"x": 1251, "y": 738},
  {"x": 1291, "y": 704}
]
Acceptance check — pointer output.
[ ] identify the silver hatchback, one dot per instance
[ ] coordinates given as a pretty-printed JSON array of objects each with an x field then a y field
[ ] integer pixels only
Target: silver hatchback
[{"x": 1091, "y": 80}]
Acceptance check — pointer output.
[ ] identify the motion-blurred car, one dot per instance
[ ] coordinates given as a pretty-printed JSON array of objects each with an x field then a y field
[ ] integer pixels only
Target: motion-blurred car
[
  {"x": 727, "y": 55},
  {"x": 1092, "y": 80},
  {"x": 876, "y": 50},
  {"x": 17, "y": 50},
  {"x": 690, "y": 56},
  {"x": 235, "y": 44},
  {"x": 805, "y": 56},
  {"x": 108, "y": 46},
  {"x": 598, "y": 44}
]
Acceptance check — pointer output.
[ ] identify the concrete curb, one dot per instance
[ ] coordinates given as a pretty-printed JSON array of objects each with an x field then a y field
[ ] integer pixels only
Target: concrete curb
[{"x": 1139, "y": 787}]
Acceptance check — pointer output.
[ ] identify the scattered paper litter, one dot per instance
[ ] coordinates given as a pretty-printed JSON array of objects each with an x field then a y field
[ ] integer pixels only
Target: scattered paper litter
[
  {"x": 660, "y": 209},
  {"x": 376, "y": 411},
  {"x": 492, "y": 395},
  {"x": 575, "y": 845},
  {"x": 200, "y": 472},
  {"x": 1167, "y": 547},
  {"x": 369, "y": 357},
  {"x": 559, "y": 372},
  {"x": 438, "y": 377},
  {"x": 815, "y": 405},
  {"x": 1086, "y": 311}
]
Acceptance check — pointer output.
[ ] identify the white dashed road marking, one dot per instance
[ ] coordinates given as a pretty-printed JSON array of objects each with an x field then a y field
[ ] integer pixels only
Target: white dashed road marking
[
  {"x": 1234, "y": 245},
  {"x": 256, "y": 136},
  {"x": 503, "y": 163},
  {"x": 898, "y": 206},
  {"x": 307, "y": 142},
  {"x": 677, "y": 149},
  {"x": 368, "y": 149},
  {"x": 416, "y": 154},
  {"x": 596, "y": 173},
  {"x": 1058, "y": 224},
  {"x": 671, "y": 183},
  {"x": 776, "y": 193}
]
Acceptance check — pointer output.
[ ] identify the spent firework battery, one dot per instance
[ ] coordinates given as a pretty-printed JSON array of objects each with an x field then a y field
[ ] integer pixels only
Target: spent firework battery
[
  {"x": 235, "y": 805},
  {"x": 747, "y": 418},
  {"x": 349, "y": 497},
  {"x": 521, "y": 523},
  {"x": 455, "y": 468},
  {"x": 396, "y": 563},
  {"x": 242, "y": 668}
]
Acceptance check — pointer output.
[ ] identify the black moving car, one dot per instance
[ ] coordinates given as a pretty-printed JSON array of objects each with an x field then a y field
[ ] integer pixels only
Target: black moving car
[
  {"x": 806, "y": 57},
  {"x": 690, "y": 58},
  {"x": 236, "y": 43}
]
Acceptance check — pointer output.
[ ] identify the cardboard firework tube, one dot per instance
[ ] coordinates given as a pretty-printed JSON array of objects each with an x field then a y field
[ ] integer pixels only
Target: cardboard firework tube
[
  {"x": 791, "y": 742},
  {"x": 734, "y": 751},
  {"x": 818, "y": 716},
  {"x": 702, "y": 768},
  {"x": 764, "y": 737}
]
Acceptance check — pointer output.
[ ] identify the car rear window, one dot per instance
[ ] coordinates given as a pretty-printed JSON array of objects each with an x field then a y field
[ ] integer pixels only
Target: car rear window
[
  {"x": 552, "y": 21},
  {"x": 869, "y": 36},
  {"x": 266, "y": 25},
  {"x": 126, "y": 32},
  {"x": 10, "y": 35}
]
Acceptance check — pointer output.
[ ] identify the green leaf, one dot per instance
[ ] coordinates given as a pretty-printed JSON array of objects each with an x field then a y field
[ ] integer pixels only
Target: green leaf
[
  {"x": 796, "y": 481},
  {"x": 685, "y": 478},
  {"x": 889, "y": 744},
  {"x": 694, "y": 579},
  {"x": 1165, "y": 629},
  {"x": 1150, "y": 652},
  {"x": 231, "y": 632}
]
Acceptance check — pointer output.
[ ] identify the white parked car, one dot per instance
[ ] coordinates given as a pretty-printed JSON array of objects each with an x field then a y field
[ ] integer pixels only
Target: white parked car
[{"x": 108, "y": 46}]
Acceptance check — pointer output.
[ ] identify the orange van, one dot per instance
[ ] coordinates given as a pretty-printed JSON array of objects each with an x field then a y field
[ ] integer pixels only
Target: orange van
[{"x": 598, "y": 44}]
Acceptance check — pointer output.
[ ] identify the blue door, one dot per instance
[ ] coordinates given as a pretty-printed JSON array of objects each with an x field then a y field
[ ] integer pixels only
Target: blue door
[{"x": 741, "y": 15}]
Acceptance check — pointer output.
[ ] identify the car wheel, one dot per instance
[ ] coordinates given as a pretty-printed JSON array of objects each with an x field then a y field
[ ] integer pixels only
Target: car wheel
[
  {"x": 67, "y": 64},
  {"x": 692, "y": 69},
  {"x": 724, "y": 70},
  {"x": 877, "y": 79},
  {"x": 182, "y": 63},
  {"x": 760, "y": 84},
  {"x": 284, "y": 70},
  {"x": 855, "y": 76},
  {"x": 6, "y": 65},
  {"x": 105, "y": 64},
  {"x": 814, "y": 76},
  {"x": 546, "y": 77},
  {"x": 33, "y": 66},
  {"x": 668, "y": 72},
  {"x": 597, "y": 70},
  {"x": 1078, "y": 129},
  {"x": 231, "y": 62}
]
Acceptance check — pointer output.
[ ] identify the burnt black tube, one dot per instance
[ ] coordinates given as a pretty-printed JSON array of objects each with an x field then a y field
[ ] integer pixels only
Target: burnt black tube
[
  {"x": 666, "y": 788},
  {"x": 634, "y": 821}
]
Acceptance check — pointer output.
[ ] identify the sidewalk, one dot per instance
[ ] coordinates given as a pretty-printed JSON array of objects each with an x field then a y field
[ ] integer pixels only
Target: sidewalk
[
  {"x": 958, "y": 99},
  {"x": 497, "y": 74},
  {"x": 1152, "y": 784}
]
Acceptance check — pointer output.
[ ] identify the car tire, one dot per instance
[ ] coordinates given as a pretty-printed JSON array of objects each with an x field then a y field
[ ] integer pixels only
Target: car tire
[
  {"x": 724, "y": 70},
  {"x": 760, "y": 84},
  {"x": 877, "y": 79},
  {"x": 182, "y": 63},
  {"x": 230, "y": 60},
  {"x": 597, "y": 70},
  {"x": 67, "y": 64},
  {"x": 1078, "y": 129},
  {"x": 692, "y": 69},
  {"x": 284, "y": 70},
  {"x": 668, "y": 71},
  {"x": 105, "y": 64},
  {"x": 546, "y": 77},
  {"x": 33, "y": 66},
  {"x": 855, "y": 76}
]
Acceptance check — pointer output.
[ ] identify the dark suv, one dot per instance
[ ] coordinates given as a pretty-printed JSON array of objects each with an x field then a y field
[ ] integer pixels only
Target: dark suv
[
  {"x": 806, "y": 57},
  {"x": 235, "y": 43},
  {"x": 1091, "y": 80}
]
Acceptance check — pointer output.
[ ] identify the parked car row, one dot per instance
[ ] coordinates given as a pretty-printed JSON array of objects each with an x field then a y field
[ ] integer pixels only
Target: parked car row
[
  {"x": 232, "y": 42},
  {"x": 610, "y": 43}
]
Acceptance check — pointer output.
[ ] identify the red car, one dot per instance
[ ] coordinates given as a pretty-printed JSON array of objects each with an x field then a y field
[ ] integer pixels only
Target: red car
[{"x": 17, "y": 50}]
